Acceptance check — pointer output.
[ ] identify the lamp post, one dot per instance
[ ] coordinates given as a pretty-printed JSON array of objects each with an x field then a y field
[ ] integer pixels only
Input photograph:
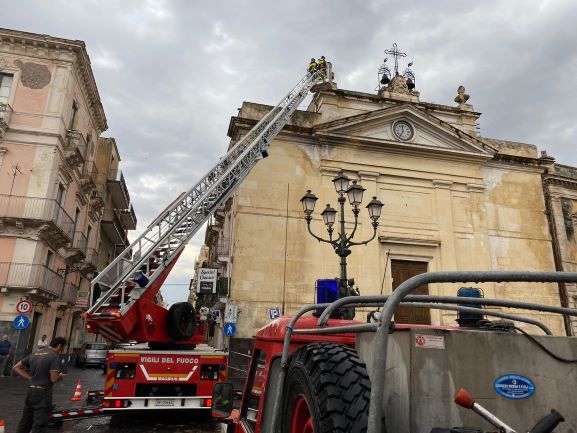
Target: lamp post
[{"x": 342, "y": 242}]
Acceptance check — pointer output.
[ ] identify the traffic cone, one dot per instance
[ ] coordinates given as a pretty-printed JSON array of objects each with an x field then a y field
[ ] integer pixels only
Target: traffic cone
[
  {"x": 77, "y": 394},
  {"x": 1, "y": 426}
]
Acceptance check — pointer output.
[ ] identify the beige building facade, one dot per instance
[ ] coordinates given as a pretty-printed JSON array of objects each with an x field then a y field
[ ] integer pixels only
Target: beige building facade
[
  {"x": 51, "y": 209},
  {"x": 453, "y": 200}
]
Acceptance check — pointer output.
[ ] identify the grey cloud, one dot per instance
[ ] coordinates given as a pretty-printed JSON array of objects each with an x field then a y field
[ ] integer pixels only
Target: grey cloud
[{"x": 177, "y": 71}]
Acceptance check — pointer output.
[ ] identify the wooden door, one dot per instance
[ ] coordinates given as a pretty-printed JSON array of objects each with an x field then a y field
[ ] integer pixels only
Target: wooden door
[{"x": 402, "y": 270}]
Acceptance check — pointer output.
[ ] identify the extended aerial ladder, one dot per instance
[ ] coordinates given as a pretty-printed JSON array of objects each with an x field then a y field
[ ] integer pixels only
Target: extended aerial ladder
[{"x": 125, "y": 290}]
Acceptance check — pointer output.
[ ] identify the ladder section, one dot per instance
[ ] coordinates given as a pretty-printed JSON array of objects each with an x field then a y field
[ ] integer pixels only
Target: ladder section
[{"x": 124, "y": 280}]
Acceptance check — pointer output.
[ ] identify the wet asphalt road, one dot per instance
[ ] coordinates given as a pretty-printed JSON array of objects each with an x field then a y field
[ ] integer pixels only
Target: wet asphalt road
[{"x": 13, "y": 391}]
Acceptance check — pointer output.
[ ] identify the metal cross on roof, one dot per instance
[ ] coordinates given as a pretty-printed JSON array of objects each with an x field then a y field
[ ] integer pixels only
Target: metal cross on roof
[{"x": 396, "y": 54}]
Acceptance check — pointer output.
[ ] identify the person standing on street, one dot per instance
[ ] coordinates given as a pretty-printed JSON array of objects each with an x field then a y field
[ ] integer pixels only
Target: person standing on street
[
  {"x": 42, "y": 343},
  {"x": 42, "y": 369},
  {"x": 5, "y": 352}
]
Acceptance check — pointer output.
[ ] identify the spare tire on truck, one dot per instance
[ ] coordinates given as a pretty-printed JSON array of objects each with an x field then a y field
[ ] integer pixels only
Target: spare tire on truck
[
  {"x": 181, "y": 321},
  {"x": 327, "y": 390}
]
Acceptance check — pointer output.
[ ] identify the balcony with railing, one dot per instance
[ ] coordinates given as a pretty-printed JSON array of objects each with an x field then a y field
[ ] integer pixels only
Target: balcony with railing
[
  {"x": 223, "y": 249},
  {"x": 88, "y": 176},
  {"x": 90, "y": 263},
  {"x": 118, "y": 190},
  {"x": 36, "y": 280},
  {"x": 76, "y": 249},
  {"x": 75, "y": 147},
  {"x": 128, "y": 218},
  {"x": 5, "y": 114},
  {"x": 56, "y": 225},
  {"x": 112, "y": 227},
  {"x": 69, "y": 294},
  {"x": 97, "y": 200}
]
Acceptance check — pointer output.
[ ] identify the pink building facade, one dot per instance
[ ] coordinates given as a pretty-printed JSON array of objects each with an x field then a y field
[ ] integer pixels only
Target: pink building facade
[{"x": 51, "y": 210}]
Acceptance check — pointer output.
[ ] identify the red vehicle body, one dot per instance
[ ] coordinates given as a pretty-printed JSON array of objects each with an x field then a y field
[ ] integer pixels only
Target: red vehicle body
[
  {"x": 256, "y": 407},
  {"x": 152, "y": 379}
]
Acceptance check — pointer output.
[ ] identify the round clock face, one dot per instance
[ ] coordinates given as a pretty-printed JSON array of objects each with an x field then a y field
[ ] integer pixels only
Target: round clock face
[{"x": 403, "y": 130}]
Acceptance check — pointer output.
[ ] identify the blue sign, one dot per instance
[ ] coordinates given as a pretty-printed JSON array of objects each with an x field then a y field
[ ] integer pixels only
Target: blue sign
[
  {"x": 514, "y": 386},
  {"x": 273, "y": 313},
  {"x": 21, "y": 322},
  {"x": 229, "y": 329}
]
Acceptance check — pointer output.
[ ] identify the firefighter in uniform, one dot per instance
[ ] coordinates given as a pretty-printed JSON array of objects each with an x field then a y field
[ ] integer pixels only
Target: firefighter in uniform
[
  {"x": 43, "y": 369},
  {"x": 323, "y": 66},
  {"x": 312, "y": 66}
]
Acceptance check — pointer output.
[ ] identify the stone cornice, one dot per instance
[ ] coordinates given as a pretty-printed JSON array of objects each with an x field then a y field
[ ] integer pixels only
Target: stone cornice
[
  {"x": 561, "y": 181},
  {"x": 349, "y": 94},
  {"x": 35, "y": 45}
]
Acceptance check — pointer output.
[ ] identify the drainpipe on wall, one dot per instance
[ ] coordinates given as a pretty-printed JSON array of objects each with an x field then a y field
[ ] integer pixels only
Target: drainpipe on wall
[{"x": 556, "y": 250}]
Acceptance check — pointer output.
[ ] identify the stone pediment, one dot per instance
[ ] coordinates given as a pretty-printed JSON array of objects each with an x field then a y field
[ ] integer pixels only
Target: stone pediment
[{"x": 429, "y": 132}]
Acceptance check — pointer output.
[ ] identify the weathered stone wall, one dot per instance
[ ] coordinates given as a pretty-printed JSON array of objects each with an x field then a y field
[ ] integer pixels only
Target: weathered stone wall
[{"x": 447, "y": 203}]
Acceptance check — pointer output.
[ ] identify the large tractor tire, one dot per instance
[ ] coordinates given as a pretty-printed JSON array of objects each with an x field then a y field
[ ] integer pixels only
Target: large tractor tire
[
  {"x": 181, "y": 321},
  {"x": 327, "y": 391}
]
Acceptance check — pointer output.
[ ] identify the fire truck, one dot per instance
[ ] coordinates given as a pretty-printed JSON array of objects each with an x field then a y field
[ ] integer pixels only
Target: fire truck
[
  {"x": 323, "y": 374},
  {"x": 165, "y": 367}
]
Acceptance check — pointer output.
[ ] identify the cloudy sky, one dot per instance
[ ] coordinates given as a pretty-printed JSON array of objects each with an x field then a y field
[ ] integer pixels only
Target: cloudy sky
[{"x": 172, "y": 73}]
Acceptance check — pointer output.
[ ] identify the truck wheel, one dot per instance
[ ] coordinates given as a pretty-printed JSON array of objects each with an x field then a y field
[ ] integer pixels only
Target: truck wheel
[
  {"x": 327, "y": 390},
  {"x": 181, "y": 321}
]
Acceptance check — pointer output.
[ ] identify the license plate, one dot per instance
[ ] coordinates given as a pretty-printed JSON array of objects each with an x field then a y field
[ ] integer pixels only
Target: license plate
[{"x": 164, "y": 402}]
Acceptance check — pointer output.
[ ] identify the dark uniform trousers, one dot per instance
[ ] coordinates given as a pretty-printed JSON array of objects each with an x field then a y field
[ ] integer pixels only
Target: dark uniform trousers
[{"x": 37, "y": 407}]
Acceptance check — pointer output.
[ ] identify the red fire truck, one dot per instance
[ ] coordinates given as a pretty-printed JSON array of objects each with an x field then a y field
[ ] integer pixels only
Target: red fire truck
[
  {"x": 152, "y": 379},
  {"x": 170, "y": 371}
]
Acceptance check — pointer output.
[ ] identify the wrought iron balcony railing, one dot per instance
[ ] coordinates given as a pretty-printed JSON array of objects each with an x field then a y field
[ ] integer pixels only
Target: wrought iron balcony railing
[
  {"x": 37, "y": 209},
  {"x": 128, "y": 218},
  {"x": 30, "y": 276},
  {"x": 112, "y": 226},
  {"x": 79, "y": 242},
  {"x": 75, "y": 141},
  {"x": 118, "y": 192},
  {"x": 69, "y": 294},
  {"x": 89, "y": 174},
  {"x": 223, "y": 247}
]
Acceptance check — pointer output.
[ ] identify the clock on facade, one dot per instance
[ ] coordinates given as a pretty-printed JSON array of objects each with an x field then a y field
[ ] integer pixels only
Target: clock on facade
[{"x": 403, "y": 130}]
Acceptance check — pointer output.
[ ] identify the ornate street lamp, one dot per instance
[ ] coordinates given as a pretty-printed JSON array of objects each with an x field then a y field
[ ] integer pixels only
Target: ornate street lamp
[{"x": 343, "y": 242}]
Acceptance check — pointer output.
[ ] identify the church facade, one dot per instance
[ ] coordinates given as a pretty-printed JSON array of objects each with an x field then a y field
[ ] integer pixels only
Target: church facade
[{"x": 453, "y": 200}]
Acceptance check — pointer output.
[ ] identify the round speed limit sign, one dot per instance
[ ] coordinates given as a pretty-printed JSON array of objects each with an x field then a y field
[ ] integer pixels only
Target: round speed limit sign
[{"x": 24, "y": 307}]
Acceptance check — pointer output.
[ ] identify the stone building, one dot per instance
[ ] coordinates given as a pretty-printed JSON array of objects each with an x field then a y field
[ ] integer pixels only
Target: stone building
[
  {"x": 52, "y": 207},
  {"x": 453, "y": 200}
]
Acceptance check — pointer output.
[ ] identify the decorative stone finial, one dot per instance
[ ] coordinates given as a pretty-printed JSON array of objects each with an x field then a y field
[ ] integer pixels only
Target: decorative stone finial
[{"x": 461, "y": 97}]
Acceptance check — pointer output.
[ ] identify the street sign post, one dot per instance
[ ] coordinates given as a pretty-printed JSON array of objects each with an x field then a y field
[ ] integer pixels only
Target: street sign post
[
  {"x": 24, "y": 307},
  {"x": 229, "y": 329},
  {"x": 21, "y": 322}
]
